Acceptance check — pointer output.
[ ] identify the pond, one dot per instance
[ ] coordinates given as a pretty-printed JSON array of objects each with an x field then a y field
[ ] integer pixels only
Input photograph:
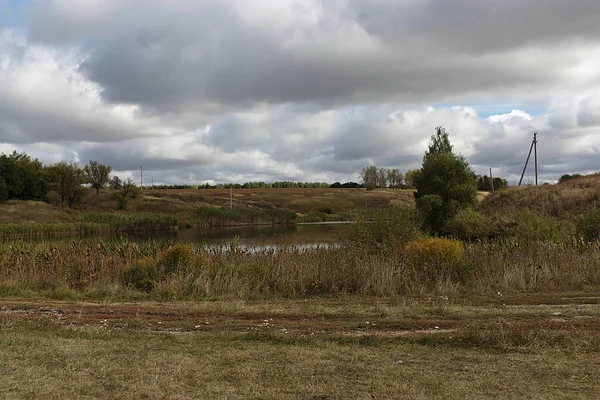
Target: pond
[{"x": 255, "y": 236}]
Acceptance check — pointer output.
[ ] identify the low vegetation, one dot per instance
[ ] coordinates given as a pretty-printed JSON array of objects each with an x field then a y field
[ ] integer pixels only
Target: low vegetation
[
  {"x": 212, "y": 216},
  {"x": 88, "y": 224},
  {"x": 322, "y": 348}
]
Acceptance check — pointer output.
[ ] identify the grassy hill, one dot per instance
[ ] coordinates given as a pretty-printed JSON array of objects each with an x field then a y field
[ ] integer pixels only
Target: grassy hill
[
  {"x": 181, "y": 203},
  {"x": 562, "y": 201}
]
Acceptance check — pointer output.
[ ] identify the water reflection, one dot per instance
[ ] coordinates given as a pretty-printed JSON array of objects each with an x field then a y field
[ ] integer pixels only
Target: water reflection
[{"x": 267, "y": 235}]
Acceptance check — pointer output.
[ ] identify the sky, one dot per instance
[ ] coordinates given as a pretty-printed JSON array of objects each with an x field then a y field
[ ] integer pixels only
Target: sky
[{"x": 216, "y": 91}]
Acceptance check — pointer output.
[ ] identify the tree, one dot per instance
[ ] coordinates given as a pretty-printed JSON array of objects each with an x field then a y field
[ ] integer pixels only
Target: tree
[
  {"x": 97, "y": 175},
  {"x": 127, "y": 190},
  {"x": 23, "y": 176},
  {"x": 484, "y": 183},
  {"x": 394, "y": 177},
  {"x": 445, "y": 184},
  {"x": 440, "y": 142},
  {"x": 3, "y": 190},
  {"x": 382, "y": 178},
  {"x": 567, "y": 177},
  {"x": 369, "y": 176},
  {"x": 67, "y": 178},
  {"x": 115, "y": 183},
  {"x": 409, "y": 178}
]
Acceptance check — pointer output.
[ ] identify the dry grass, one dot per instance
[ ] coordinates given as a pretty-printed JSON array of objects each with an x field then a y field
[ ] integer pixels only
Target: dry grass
[
  {"x": 299, "y": 200},
  {"x": 182, "y": 203},
  {"x": 352, "y": 347},
  {"x": 562, "y": 201},
  {"x": 88, "y": 269},
  {"x": 30, "y": 212}
]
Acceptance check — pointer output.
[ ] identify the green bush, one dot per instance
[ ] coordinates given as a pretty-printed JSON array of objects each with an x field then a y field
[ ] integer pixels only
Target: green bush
[
  {"x": 530, "y": 227},
  {"x": 142, "y": 275},
  {"x": 469, "y": 224},
  {"x": 175, "y": 259},
  {"x": 386, "y": 230},
  {"x": 588, "y": 225},
  {"x": 325, "y": 210}
]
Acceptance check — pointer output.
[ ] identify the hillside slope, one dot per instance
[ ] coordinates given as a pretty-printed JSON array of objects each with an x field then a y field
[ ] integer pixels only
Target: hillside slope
[
  {"x": 181, "y": 203},
  {"x": 562, "y": 201}
]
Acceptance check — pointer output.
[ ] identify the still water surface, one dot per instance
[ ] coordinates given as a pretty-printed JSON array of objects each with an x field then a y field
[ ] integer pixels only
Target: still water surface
[{"x": 255, "y": 236}]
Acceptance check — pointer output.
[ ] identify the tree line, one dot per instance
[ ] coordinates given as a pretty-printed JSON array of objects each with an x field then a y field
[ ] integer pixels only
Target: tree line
[
  {"x": 373, "y": 177},
  {"x": 25, "y": 178},
  {"x": 381, "y": 178}
]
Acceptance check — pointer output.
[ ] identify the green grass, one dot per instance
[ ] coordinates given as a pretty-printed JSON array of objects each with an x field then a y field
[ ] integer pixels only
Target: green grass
[
  {"x": 90, "y": 224},
  {"x": 124, "y": 222},
  {"x": 213, "y": 216}
]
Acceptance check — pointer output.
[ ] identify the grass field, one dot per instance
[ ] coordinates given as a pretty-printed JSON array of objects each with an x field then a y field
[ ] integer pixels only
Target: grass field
[
  {"x": 182, "y": 203},
  {"x": 536, "y": 347}
]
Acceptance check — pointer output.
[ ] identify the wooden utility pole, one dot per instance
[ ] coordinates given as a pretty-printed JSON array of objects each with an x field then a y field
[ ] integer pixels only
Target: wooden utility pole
[
  {"x": 491, "y": 180},
  {"x": 535, "y": 156},
  {"x": 533, "y": 146},
  {"x": 141, "y": 177}
]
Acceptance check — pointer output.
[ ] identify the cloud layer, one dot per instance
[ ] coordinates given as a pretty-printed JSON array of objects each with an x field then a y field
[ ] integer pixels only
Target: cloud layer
[{"x": 232, "y": 90}]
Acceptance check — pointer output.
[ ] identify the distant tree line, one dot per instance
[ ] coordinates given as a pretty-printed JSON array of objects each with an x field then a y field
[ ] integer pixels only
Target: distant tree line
[
  {"x": 568, "y": 177},
  {"x": 263, "y": 185},
  {"x": 373, "y": 177},
  {"x": 381, "y": 178},
  {"x": 484, "y": 183}
]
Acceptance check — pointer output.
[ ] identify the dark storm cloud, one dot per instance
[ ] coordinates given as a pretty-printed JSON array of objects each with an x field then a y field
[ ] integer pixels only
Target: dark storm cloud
[
  {"x": 477, "y": 26},
  {"x": 308, "y": 90},
  {"x": 187, "y": 54}
]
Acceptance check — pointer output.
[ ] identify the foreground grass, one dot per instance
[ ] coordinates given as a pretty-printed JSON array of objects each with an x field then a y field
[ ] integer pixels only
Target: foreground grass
[{"x": 351, "y": 347}]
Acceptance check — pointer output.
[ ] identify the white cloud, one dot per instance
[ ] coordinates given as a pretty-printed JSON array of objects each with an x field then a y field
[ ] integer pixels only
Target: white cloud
[{"x": 311, "y": 90}]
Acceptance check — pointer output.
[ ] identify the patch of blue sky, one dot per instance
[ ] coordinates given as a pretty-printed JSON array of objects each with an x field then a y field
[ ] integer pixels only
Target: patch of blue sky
[
  {"x": 485, "y": 110},
  {"x": 11, "y": 13}
]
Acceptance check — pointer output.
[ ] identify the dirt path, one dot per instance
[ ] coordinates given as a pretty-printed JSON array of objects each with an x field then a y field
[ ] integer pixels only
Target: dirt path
[{"x": 346, "y": 317}]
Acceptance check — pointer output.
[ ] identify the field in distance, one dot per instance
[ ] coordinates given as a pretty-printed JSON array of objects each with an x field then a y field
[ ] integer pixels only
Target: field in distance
[{"x": 182, "y": 202}]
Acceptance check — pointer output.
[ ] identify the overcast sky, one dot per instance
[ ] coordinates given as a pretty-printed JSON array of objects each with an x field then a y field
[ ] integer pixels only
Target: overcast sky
[{"x": 305, "y": 90}]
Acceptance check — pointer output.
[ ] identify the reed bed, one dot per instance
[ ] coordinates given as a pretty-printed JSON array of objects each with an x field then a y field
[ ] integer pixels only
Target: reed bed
[
  {"x": 127, "y": 222},
  {"x": 89, "y": 224},
  {"x": 119, "y": 268},
  {"x": 213, "y": 216}
]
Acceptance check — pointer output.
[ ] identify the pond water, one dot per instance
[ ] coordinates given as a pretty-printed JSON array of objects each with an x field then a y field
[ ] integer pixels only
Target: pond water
[{"x": 303, "y": 235}]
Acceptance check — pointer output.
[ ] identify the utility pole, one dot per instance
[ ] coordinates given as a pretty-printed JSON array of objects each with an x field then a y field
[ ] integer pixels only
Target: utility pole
[
  {"x": 535, "y": 156},
  {"x": 491, "y": 180},
  {"x": 141, "y": 177},
  {"x": 533, "y": 145},
  {"x": 231, "y": 197}
]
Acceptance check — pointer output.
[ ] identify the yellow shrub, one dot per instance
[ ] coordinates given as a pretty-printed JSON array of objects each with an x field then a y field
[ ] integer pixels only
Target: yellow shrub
[
  {"x": 438, "y": 253},
  {"x": 142, "y": 275},
  {"x": 176, "y": 258},
  {"x": 180, "y": 258}
]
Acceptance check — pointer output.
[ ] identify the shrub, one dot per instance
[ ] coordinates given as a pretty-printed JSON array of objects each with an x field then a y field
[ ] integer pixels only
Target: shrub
[
  {"x": 588, "y": 225},
  {"x": 530, "y": 227},
  {"x": 386, "y": 230},
  {"x": 325, "y": 210},
  {"x": 435, "y": 258},
  {"x": 142, "y": 275},
  {"x": 469, "y": 224},
  {"x": 175, "y": 259}
]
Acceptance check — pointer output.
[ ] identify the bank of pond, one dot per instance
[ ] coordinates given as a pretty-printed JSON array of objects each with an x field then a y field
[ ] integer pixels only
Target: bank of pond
[{"x": 87, "y": 224}]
